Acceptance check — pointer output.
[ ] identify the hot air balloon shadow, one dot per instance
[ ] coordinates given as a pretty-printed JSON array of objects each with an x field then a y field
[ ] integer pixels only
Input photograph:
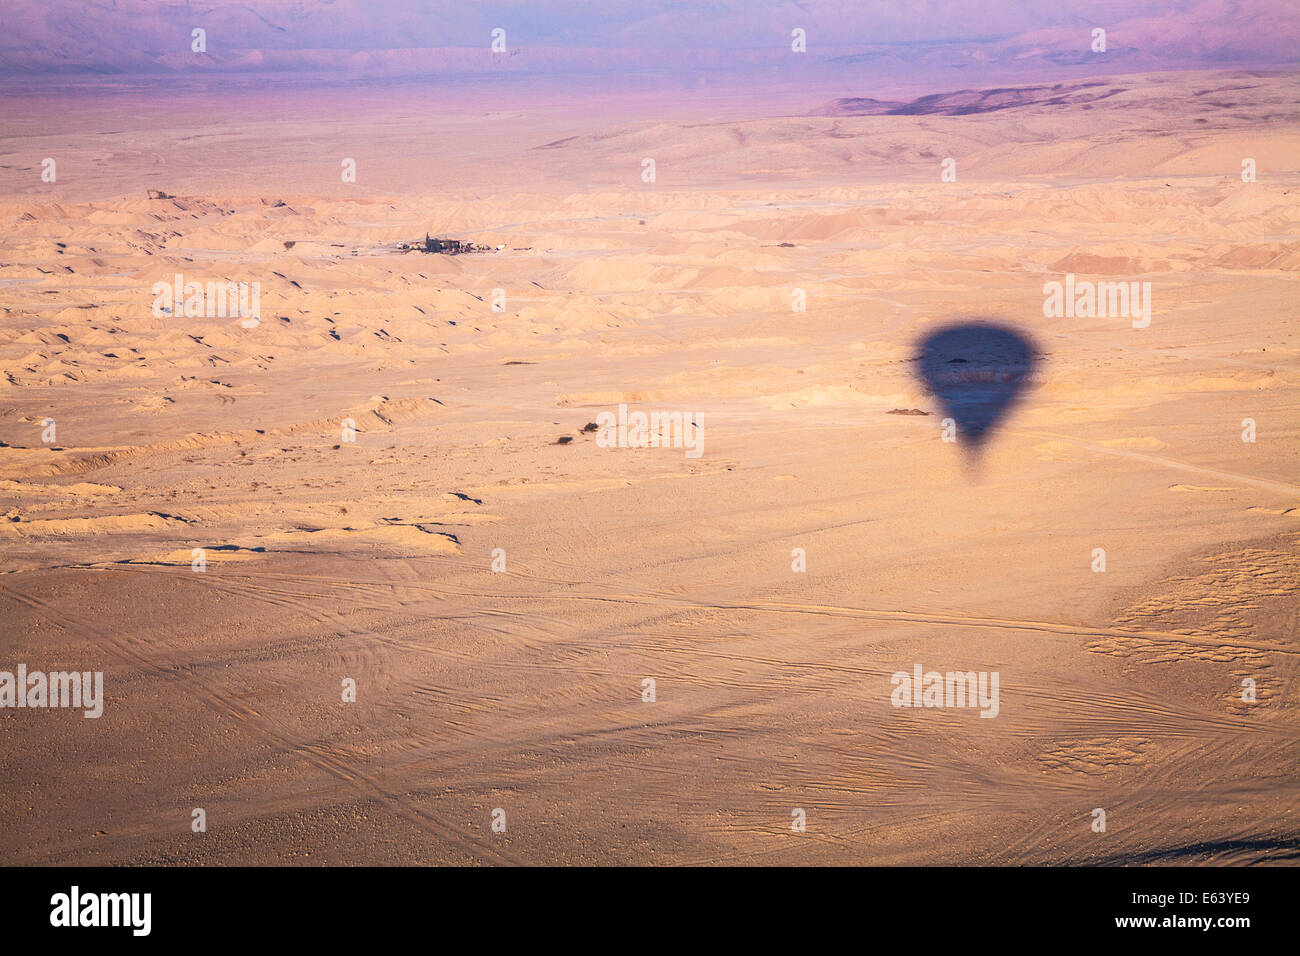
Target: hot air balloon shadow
[{"x": 978, "y": 370}]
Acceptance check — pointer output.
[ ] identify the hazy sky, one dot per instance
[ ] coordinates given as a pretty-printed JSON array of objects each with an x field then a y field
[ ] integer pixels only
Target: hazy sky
[{"x": 405, "y": 37}]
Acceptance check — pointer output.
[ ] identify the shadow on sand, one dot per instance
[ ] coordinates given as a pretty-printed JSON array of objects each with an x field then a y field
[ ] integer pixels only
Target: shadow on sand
[{"x": 978, "y": 370}]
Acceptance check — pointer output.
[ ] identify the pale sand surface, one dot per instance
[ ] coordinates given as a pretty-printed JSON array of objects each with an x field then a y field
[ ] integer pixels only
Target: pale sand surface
[{"x": 522, "y": 690}]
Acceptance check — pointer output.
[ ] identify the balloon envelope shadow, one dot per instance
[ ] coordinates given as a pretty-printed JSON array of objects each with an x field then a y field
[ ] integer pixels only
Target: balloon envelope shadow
[{"x": 979, "y": 371}]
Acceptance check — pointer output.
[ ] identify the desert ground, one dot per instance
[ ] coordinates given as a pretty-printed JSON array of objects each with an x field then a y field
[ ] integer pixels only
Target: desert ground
[{"x": 522, "y": 687}]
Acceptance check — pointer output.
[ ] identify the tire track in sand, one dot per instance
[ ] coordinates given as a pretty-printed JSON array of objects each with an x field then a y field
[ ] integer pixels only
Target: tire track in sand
[{"x": 366, "y": 785}]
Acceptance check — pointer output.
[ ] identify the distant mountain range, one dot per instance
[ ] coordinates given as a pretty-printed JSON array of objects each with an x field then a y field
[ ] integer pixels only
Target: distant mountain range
[
  {"x": 966, "y": 102},
  {"x": 413, "y": 37}
]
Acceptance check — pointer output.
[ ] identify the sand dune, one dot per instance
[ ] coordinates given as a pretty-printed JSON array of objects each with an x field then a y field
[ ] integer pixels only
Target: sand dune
[{"x": 353, "y": 466}]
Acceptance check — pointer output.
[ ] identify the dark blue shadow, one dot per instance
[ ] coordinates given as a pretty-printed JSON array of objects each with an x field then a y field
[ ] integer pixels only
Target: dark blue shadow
[{"x": 978, "y": 370}]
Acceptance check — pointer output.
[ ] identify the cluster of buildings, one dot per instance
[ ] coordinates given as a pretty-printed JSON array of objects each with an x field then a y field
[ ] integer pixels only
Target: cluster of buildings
[{"x": 449, "y": 247}]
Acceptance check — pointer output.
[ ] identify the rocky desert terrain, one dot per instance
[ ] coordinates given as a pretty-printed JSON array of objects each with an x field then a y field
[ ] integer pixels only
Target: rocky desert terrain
[{"x": 634, "y": 655}]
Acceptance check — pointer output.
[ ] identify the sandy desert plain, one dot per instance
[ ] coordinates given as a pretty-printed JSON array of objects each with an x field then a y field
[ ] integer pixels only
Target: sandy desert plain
[{"x": 522, "y": 689}]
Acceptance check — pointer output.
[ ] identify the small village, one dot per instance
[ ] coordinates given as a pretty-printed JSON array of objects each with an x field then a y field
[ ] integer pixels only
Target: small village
[{"x": 447, "y": 247}]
